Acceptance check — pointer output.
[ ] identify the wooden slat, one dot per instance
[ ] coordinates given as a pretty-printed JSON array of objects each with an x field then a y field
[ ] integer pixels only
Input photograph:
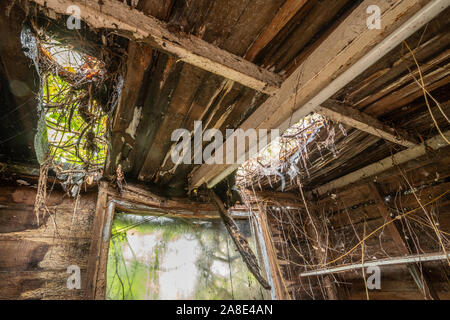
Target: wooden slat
[
  {"x": 127, "y": 115},
  {"x": 129, "y": 111},
  {"x": 179, "y": 107},
  {"x": 361, "y": 121},
  {"x": 408, "y": 93},
  {"x": 102, "y": 266},
  {"x": 190, "y": 49},
  {"x": 283, "y": 16},
  {"x": 347, "y": 44}
]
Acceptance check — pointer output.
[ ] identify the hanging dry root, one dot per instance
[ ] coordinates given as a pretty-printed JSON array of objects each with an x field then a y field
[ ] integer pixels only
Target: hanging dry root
[{"x": 41, "y": 195}]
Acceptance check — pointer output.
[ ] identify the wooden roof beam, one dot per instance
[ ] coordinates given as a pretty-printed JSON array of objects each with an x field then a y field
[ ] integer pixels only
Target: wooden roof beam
[
  {"x": 362, "y": 121},
  {"x": 135, "y": 25},
  {"x": 349, "y": 50},
  {"x": 373, "y": 169}
]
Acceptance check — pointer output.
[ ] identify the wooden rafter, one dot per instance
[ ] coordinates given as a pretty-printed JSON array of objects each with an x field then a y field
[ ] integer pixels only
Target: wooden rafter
[
  {"x": 136, "y": 25},
  {"x": 376, "y": 168},
  {"x": 362, "y": 121},
  {"x": 342, "y": 57}
]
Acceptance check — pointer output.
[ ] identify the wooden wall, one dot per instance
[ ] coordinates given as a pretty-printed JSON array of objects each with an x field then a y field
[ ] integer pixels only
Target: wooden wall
[
  {"x": 34, "y": 260},
  {"x": 340, "y": 216}
]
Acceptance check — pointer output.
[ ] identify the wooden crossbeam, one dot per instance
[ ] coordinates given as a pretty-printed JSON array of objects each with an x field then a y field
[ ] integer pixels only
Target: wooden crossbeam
[
  {"x": 376, "y": 168},
  {"x": 135, "y": 25},
  {"x": 362, "y": 121},
  {"x": 349, "y": 50}
]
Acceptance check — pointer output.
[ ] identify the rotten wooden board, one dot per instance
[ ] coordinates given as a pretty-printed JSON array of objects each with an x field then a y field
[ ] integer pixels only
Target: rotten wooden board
[{"x": 283, "y": 16}]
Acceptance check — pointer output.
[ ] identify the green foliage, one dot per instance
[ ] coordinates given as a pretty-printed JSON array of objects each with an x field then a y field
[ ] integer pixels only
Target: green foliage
[{"x": 75, "y": 125}]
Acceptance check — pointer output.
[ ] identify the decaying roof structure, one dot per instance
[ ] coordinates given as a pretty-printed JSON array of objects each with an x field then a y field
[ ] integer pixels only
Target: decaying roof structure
[{"x": 365, "y": 180}]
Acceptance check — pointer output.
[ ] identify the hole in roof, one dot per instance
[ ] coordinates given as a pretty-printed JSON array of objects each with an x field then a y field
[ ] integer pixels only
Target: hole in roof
[
  {"x": 286, "y": 157},
  {"x": 72, "y": 122}
]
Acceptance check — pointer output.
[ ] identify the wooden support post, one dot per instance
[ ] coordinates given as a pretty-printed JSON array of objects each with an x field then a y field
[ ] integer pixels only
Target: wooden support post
[
  {"x": 96, "y": 242},
  {"x": 100, "y": 287},
  {"x": 279, "y": 287},
  {"x": 422, "y": 281}
]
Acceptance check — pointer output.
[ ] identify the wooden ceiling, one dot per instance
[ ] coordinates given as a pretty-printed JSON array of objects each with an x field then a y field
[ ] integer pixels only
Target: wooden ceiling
[
  {"x": 161, "y": 93},
  {"x": 173, "y": 94}
]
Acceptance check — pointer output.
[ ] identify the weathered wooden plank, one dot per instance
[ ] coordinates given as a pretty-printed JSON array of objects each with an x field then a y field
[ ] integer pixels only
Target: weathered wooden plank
[
  {"x": 311, "y": 25},
  {"x": 408, "y": 93},
  {"x": 96, "y": 242},
  {"x": 274, "y": 266},
  {"x": 156, "y": 104},
  {"x": 393, "y": 78},
  {"x": 100, "y": 283},
  {"x": 190, "y": 49},
  {"x": 190, "y": 79},
  {"x": 385, "y": 164},
  {"x": 34, "y": 259},
  {"x": 128, "y": 113},
  {"x": 283, "y": 16}
]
